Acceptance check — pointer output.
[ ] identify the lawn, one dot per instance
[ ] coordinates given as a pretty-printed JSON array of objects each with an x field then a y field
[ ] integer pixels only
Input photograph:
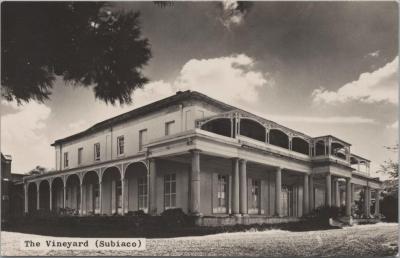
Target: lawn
[{"x": 363, "y": 240}]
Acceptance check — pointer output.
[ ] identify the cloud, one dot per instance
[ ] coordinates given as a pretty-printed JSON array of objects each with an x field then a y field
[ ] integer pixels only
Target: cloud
[
  {"x": 23, "y": 136},
  {"x": 233, "y": 12},
  {"x": 232, "y": 79},
  {"x": 378, "y": 86},
  {"x": 395, "y": 125}
]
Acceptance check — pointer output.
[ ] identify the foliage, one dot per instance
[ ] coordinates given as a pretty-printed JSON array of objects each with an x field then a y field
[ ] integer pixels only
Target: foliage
[
  {"x": 85, "y": 43},
  {"x": 389, "y": 207},
  {"x": 174, "y": 217},
  {"x": 359, "y": 211},
  {"x": 322, "y": 214},
  {"x": 390, "y": 167},
  {"x": 139, "y": 213},
  {"x": 38, "y": 170}
]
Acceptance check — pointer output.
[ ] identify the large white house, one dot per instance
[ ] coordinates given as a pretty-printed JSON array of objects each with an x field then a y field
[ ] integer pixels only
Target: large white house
[{"x": 206, "y": 157}]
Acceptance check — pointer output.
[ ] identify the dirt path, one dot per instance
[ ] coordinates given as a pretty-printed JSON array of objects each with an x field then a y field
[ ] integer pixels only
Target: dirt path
[{"x": 367, "y": 240}]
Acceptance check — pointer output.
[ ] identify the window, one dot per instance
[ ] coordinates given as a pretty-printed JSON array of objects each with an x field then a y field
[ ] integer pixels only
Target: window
[
  {"x": 142, "y": 193},
  {"x": 142, "y": 138},
  {"x": 170, "y": 191},
  {"x": 80, "y": 152},
  {"x": 120, "y": 147},
  {"x": 255, "y": 196},
  {"x": 97, "y": 151},
  {"x": 65, "y": 159},
  {"x": 222, "y": 193},
  {"x": 168, "y": 127}
]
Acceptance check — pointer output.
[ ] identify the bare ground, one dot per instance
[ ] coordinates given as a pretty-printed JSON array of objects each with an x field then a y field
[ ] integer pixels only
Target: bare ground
[{"x": 366, "y": 240}]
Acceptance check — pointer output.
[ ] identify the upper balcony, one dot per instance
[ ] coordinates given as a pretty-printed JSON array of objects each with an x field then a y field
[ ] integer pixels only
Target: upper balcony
[
  {"x": 258, "y": 132},
  {"x": 360, "y": 164},
  {"x": 330, "y": 148},
  {"x": 265, "y": 134}
]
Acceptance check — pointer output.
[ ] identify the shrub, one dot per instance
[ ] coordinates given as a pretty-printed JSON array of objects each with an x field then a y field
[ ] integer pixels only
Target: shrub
[
  {"x": 174, "y": 218},
  {"x": 389, "y": 208},
  {"x": 322, "y": 214}
]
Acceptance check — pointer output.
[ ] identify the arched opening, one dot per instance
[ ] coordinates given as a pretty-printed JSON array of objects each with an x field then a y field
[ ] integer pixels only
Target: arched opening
[
  {"x": 111, "y": 191},
  {"x": 338, "y": 150},
  {"x": 72, "y": 195},
  {"x": 300, "y": 145},
  {"x": 32, "y": 197},
  {"x": 57, "y": 194},
  {"x": 252, "y": 129},
  {"x": 91, "y": 194},
  {"x": 221, "y": 126},
  {"x": 320, "y": 148},
  {"x": 363, "y": 166},
  {"x": 44, "y": 195},
  {"x": 278, "y": 138},
  {"x": 354, "y": 163},
  {"x": 136, "y": 181}
]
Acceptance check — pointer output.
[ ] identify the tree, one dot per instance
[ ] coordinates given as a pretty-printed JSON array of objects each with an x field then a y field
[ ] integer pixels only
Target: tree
[
  {"x": 391, "y": 168},
  {"x": 38, "y": 170},
  {"x": 85, "y": 43},
  {"x": 389, "y": 203}
]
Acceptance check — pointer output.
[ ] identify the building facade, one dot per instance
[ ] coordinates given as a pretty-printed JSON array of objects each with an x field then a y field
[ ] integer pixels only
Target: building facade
[{"x": 208, "y": 158}]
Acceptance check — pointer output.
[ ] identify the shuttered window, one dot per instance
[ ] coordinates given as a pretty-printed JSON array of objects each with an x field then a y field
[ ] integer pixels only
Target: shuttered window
[
  {"x": 254, "y": 203},
  {"x": 142, "y": 193},
  {"x": 170, "y": 191},
  {"x": 222, "y": 193}
]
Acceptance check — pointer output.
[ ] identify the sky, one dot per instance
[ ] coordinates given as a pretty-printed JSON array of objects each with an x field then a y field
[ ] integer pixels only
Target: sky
[{"x": 317, "y": 67}]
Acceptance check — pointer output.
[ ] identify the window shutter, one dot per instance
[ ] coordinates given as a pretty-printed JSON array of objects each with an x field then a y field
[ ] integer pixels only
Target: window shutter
[
  {"x": 271, "y": 195},
  {"x": 264, "y": 197},
  {"x": 300, "y": 201},
  {"x": 214, "y": 192}
]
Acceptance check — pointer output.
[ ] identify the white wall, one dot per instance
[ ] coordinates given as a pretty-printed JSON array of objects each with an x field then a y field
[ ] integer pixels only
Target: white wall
[{"x": 154, "y": 123}]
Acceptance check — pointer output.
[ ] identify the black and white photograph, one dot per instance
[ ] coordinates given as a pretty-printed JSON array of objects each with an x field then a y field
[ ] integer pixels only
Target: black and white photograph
[{"x": 199, "y": 128}]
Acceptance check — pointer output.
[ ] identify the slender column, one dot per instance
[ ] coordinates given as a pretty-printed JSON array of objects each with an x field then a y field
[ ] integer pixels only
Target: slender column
[
  {"x": 195, "y": 183},
  {"x": 352, "y": 193},
  {"x": 114, "y": 205},
  {"x": 366, "y": 202},
  {"x": 64, "y": 196},
  {"x": 278, "y": 190},
  {"x": 51, "y": 196},
  {"x": 311, "y": 194},
  {"x": 37, "y": 196},
  {"x": 235, "y": 186},
  {"x": 123, "y": 195},
  {"x": 152, "y": 187},
  {"x": 377, "y": 211},
  {"x": 243, "y": 187},
  {"x": 306, "y": 197},
  {"x": 337, "y": 193},
  {"x": 328, "y": 191},
  {"x": 26, "y": 198},
  {"x": 101, "y": 197},
  {"x": 348, "y": 197},
  {"x": 81, "y": 201}
]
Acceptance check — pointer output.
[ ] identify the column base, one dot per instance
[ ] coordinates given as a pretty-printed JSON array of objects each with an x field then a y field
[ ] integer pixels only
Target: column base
[
  {"x": 236, "y": 215},
  {"x": 347, "y": 220},
  {"x": 245, "y": 215}
]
